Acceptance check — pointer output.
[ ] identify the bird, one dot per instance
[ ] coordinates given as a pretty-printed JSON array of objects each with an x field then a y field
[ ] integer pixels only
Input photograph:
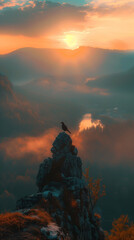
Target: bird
[{"x": 64, "y": 127}]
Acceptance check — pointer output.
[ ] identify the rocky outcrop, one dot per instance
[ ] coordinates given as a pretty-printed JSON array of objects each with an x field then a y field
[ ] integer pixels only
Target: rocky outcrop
[
  {"x": 64, "y": 162},
  {"x": 63, "y": 193}
]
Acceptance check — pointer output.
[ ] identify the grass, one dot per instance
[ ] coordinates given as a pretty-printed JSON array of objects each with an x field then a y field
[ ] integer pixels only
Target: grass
[{"x": 22, "y": 225}]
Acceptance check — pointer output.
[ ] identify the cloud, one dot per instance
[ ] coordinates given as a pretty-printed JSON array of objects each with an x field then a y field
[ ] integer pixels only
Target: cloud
[
  {"x": 55, "y": 85},
  {"x": 112, "y": 6},
  {"x": 45, "y": 23},
  {"x": 87, "y": 123},
  {"x": 19, "y": 161},
  {"x": 111, "y": 2},
  {"x": 119, "y": 44},
  {"x": 41, "y": 18},
  {"x": 15, "y": 3},
  {"x": 111, "y": 147},
  {"x": 17, "y": 148}
]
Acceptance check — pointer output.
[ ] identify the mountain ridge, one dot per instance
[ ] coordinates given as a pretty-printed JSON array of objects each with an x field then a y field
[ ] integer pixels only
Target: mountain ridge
[
  {"x": 70, "y": 50},
  {"x": 27, "y": 64}
]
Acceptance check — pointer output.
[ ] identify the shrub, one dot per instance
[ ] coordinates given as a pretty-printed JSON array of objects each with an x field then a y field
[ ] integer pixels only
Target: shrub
[
  {"x": 11, "y": 223},
  {"x": 95, "y": 189},
  {"x": 122, "y": 229}
]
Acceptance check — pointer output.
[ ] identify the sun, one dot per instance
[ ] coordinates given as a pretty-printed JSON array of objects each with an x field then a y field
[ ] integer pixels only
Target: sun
[{"x": 71, "y": 41}]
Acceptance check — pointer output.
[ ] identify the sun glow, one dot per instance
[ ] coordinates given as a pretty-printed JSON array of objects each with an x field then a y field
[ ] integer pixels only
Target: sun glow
[{"x": 71, "y": 41}]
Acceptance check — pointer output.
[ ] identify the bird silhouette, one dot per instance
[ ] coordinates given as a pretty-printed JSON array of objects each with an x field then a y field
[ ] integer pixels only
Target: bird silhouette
[{"x": 64, "y": 127}]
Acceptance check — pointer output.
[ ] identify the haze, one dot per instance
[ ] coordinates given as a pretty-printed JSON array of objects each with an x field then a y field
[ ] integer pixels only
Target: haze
[{"x": 73, "y": 62}]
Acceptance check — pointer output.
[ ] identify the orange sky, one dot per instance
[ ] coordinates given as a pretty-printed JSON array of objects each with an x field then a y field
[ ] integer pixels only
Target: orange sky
[
  {"x": 100, "y": 23},
  {"x": 9, "y": 43}
]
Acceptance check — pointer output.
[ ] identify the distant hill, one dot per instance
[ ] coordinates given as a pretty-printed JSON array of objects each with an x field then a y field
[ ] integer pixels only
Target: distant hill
[
  {"x": 17, "y": 114},
  {"x": 5, "y": 87},
  {"x": 30, "y": 63},
  {"x": 119, "y": 82}
]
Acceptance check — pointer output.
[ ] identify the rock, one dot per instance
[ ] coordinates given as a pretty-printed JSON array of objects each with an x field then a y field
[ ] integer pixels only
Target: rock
[
  {"x": 53, "y": 191},
  {"x": 63, "y": 163},
  {"x": 72, "y": 166},
  {"x": 28, "y": 201},
  {"x": 64, "y": 195},
  {"x": 74, "y": 183},
  {"x": 52, "y": 232},
  {"x": 43, "y": 173},
  {"x": 101, "y": 234},
  {"x": 63, "y": 142},
  {"x": 74, "y": 150}
]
